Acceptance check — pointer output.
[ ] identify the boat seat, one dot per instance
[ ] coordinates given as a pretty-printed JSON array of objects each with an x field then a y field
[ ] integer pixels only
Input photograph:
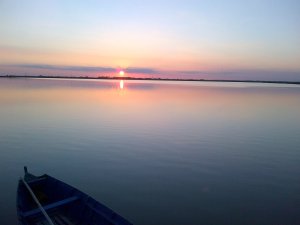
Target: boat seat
[{"x": 51, "y": 206}]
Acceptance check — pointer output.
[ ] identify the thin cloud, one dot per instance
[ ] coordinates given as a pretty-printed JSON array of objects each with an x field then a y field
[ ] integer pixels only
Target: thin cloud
[
  {"x": 88, "y": 68},
  {"x": 142, "y": 70},
  {"x": 68, "y": 68}
]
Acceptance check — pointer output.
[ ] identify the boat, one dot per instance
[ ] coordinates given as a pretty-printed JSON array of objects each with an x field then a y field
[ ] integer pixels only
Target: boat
[{"x": 44, "y": 200}]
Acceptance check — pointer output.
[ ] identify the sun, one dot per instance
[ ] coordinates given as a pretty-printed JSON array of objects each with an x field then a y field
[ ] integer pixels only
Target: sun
[{"x": 121, "y": 73}]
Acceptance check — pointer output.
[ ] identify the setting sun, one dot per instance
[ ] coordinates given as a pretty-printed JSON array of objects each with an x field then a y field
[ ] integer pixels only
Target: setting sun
[{"x": 121, "y": 73}]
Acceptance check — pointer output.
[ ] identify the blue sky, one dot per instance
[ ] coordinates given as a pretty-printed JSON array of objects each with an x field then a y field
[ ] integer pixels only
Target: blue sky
[{"x": 204, "y": 38}]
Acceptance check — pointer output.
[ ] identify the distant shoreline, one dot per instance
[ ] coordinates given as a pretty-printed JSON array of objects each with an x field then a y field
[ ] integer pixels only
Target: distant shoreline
[{"x": 152, "y": 79}]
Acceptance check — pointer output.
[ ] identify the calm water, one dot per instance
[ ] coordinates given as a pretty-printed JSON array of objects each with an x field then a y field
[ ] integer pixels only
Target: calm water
[{"x": 158, "y": 152}]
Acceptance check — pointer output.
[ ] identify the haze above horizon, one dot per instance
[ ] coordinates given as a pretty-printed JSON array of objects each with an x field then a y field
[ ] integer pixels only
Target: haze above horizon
[{"x": 169, "y": 39}]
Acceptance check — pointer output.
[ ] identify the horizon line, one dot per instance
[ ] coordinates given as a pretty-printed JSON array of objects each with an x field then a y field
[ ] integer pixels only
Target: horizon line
[{"x": 148, "y": 78}]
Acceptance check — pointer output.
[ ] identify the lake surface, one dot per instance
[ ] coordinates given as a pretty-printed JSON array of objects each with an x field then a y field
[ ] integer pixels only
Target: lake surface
[{"x": 158, "y": 152}]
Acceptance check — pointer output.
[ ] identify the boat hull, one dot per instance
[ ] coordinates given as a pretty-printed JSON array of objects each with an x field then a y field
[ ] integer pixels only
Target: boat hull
[{"x": 64, "y": 204}]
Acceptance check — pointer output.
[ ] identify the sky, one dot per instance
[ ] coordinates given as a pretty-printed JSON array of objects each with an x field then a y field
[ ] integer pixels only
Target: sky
[{"x": 210, "y": 39}]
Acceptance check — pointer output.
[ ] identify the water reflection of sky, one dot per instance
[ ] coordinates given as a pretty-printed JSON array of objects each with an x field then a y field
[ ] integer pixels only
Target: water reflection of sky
[{"x": 205, "y": 148}]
